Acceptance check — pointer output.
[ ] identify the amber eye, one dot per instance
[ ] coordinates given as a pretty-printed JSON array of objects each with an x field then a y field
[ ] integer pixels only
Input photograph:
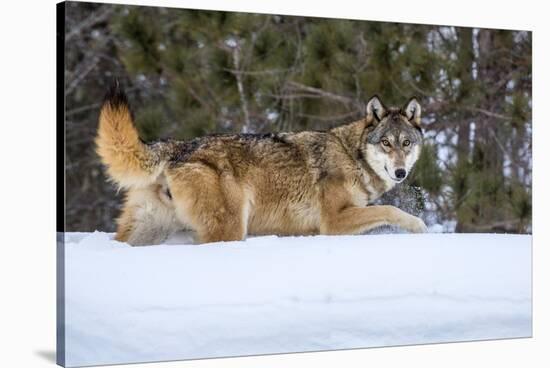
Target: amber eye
[
  {"x": 385, "y": 142},
  {"x": 406, "y": 143}
]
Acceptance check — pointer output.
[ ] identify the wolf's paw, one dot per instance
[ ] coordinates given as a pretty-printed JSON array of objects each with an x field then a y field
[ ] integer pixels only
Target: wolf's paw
[{"x": 416, "y": 225}]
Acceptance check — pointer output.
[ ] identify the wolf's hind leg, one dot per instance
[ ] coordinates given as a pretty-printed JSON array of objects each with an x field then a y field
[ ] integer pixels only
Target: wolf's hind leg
[
  {"x": 145, "y": 220},
  {"x": 211, "y": 204}
]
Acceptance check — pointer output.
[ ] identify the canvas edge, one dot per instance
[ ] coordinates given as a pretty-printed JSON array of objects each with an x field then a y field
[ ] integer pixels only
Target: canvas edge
[{"x": 60, "y": 183}]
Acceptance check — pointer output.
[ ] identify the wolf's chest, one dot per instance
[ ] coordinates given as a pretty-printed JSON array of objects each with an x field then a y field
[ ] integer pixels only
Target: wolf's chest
[{"x": 368, "y": 189}]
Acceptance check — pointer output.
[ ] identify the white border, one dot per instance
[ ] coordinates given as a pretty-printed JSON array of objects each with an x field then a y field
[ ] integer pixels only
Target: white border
[{"x": 27, "y": 269}]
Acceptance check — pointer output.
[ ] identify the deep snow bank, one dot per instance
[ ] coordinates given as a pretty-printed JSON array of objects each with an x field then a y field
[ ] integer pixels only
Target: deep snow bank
[{"x": 272, "y": 295}]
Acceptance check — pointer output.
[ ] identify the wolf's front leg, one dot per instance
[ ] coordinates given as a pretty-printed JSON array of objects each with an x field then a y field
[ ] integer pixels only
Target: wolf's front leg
[{"x": 357, "y": 220}]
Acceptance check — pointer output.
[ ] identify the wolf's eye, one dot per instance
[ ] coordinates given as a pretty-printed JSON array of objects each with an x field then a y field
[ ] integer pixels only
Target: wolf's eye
[
  {"x": 385, "y": 142},
  {"x": 406, "y": 143}
]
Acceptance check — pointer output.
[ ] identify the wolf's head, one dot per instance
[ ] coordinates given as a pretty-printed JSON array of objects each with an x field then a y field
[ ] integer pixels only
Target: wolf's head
[{"x": 392, "y": 140}]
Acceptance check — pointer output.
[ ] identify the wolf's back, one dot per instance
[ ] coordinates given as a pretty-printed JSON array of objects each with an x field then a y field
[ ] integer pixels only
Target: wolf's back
[{"x": 129, "y": 161}]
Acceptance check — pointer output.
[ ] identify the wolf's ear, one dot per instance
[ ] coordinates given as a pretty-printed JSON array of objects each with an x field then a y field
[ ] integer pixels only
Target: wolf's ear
[
  {"x": 412, "y": 111},
  {"x": 375, "y": 110}
]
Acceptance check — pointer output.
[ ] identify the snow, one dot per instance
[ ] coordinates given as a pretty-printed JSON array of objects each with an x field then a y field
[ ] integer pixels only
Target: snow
[{"x": 273, "y": 295}]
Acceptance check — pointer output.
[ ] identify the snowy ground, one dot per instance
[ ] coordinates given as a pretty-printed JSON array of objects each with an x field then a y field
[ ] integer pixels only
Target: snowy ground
[{"x": 274, "y": 295}]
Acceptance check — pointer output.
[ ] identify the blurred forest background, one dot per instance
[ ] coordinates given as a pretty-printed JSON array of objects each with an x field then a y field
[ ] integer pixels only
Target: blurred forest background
[{"x": 191, "y": 72}]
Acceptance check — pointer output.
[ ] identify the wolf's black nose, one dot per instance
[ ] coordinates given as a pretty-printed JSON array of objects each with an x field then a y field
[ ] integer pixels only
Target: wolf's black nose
[{"x": 400, "y": 173}]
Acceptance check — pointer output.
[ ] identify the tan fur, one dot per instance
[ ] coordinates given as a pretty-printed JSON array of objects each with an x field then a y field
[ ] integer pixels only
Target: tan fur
[
  {"x": 130, "y": 162},
  {"x": 225, "y": 187}
]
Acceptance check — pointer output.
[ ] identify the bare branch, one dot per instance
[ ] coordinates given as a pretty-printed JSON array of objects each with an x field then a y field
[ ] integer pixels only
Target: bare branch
[
  {"x": 81, "y": 75},
  {"x": 256, "y": 72},
  {"x": 488, "y": 113},
  {"x": 329, "y": 95},
  {"x": 294, "y": 96},
  {"x": 96, "y": 17},
  {"x": 80, "y": 109},
  {"x": 332, "y": 118},
  {"x": 236, "y": 53}
]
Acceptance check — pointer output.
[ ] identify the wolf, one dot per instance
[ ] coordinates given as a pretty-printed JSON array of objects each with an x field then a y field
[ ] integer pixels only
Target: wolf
[{"x": 225, "y": 186}]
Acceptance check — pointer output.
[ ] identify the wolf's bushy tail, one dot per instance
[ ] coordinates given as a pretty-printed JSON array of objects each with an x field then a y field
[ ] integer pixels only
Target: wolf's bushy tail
[{"x": 130, "y": 162}]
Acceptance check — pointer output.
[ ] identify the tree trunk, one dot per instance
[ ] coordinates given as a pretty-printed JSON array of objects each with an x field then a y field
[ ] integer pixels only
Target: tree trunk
[{"x": 465, "y": 74}]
